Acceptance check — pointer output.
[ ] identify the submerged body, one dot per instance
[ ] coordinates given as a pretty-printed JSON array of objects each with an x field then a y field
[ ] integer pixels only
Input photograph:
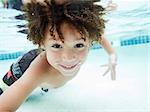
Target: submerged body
[
  {"x": 65, "y": 34},
  {"x": 55, "y": 66}
]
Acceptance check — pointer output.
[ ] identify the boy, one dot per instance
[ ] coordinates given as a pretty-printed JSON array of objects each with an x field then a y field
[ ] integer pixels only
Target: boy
[{"x": 64, "y": 32}]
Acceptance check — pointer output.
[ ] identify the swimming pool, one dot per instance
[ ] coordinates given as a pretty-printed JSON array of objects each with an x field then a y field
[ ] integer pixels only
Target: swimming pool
[
  {"x": 128, "y": 31},
  {"x": 129, "y": 25}
]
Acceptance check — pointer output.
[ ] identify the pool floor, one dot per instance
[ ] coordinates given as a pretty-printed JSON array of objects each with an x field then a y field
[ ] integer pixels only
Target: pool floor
[{"x": 89, "y": 91}]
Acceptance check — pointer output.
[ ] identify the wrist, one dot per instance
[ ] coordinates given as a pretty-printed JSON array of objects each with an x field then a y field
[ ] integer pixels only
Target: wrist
[{"x": 113, "y": 57}]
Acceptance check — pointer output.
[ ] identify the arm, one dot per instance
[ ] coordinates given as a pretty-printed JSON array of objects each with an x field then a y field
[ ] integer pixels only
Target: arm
[
  {"x": 106, "y": 45},
  {"x": 12, "y": 98},
  {"x": 112, "y": 58}
]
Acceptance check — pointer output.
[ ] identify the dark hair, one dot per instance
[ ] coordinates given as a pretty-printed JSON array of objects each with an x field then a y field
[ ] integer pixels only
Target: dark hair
[{"x": 84, "y": 15}]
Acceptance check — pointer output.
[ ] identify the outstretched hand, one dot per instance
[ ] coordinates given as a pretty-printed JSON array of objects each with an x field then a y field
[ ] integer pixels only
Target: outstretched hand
[{"x": 111, "y": 66}]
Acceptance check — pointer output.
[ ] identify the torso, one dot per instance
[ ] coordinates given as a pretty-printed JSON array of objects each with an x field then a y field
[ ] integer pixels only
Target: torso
[{"x": 55, "y": 79}]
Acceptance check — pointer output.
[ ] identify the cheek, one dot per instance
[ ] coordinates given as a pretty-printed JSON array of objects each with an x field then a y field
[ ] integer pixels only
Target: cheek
[
  {"x": 83, "y": 54},
  {"x": 52, "y": 55}
]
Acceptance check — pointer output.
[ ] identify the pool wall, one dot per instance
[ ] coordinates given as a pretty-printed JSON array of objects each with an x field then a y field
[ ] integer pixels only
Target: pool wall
[{"x": 145, "y": 39}]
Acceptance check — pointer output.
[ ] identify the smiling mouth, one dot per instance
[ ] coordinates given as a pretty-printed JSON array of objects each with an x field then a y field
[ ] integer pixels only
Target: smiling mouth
[{"x": 68, "y": 67}]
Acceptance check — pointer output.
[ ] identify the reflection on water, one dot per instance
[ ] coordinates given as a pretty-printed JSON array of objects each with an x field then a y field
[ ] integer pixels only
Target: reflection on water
[{"x": 130, "y": 20}]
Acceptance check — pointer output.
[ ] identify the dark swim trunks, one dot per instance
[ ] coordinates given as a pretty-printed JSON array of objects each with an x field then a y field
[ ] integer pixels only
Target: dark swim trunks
[{"x": 17, "y": 69}]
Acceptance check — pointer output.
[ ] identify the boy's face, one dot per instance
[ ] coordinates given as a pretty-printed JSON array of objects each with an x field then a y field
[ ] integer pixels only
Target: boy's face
[{"x": 66, "y": 57}]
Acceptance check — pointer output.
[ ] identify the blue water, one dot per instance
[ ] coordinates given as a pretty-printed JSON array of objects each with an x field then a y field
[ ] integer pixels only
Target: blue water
[
  {"x": 10, "y": 39},
  {"x": 125, "y": 26},
  {"x": 132, "y": 19},
  {"x": 90, "y": 91}
]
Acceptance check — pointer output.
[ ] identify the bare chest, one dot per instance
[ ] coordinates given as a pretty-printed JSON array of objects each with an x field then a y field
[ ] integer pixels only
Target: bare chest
[{"x": 55, "y": 81}]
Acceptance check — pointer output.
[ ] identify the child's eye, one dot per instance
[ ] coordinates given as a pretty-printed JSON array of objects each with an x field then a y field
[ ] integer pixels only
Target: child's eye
[
  {"x": 56, "y": 46},
  {"x": 80, "y": 45}
]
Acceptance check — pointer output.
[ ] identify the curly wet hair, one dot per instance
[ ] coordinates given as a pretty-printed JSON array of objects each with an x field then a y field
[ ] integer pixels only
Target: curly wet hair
[{"x": 84, "y": 15}]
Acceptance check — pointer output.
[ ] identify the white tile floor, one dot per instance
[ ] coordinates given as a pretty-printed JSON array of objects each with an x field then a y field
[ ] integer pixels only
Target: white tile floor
[{"x": 90, "y": 92}]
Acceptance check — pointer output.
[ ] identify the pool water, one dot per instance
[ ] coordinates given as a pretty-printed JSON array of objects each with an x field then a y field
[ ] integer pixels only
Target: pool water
[
  {"x": 128, "y": 32},
  {"x": 89, "y": 91}
]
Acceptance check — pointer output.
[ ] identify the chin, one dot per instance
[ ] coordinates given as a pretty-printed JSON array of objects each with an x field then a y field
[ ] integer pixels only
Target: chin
[{"x": 69, "y": 74}]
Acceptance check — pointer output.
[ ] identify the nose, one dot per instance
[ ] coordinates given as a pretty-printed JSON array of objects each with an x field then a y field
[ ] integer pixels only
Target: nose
[{"x": 69, "y": 55}]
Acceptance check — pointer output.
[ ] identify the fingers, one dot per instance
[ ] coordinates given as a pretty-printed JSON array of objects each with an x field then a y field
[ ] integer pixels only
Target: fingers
[
  {"x": 111, "y": 66},
  {"x": 113, "y": 71},
  {"x": 104, "y": 65},
  {"x": 106, "y": 72}
]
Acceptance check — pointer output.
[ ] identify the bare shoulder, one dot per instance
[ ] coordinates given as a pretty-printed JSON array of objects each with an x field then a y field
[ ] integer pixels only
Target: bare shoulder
[
  {"x": 12, "y": 98},
  {"x": 39, "y": 66}
]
